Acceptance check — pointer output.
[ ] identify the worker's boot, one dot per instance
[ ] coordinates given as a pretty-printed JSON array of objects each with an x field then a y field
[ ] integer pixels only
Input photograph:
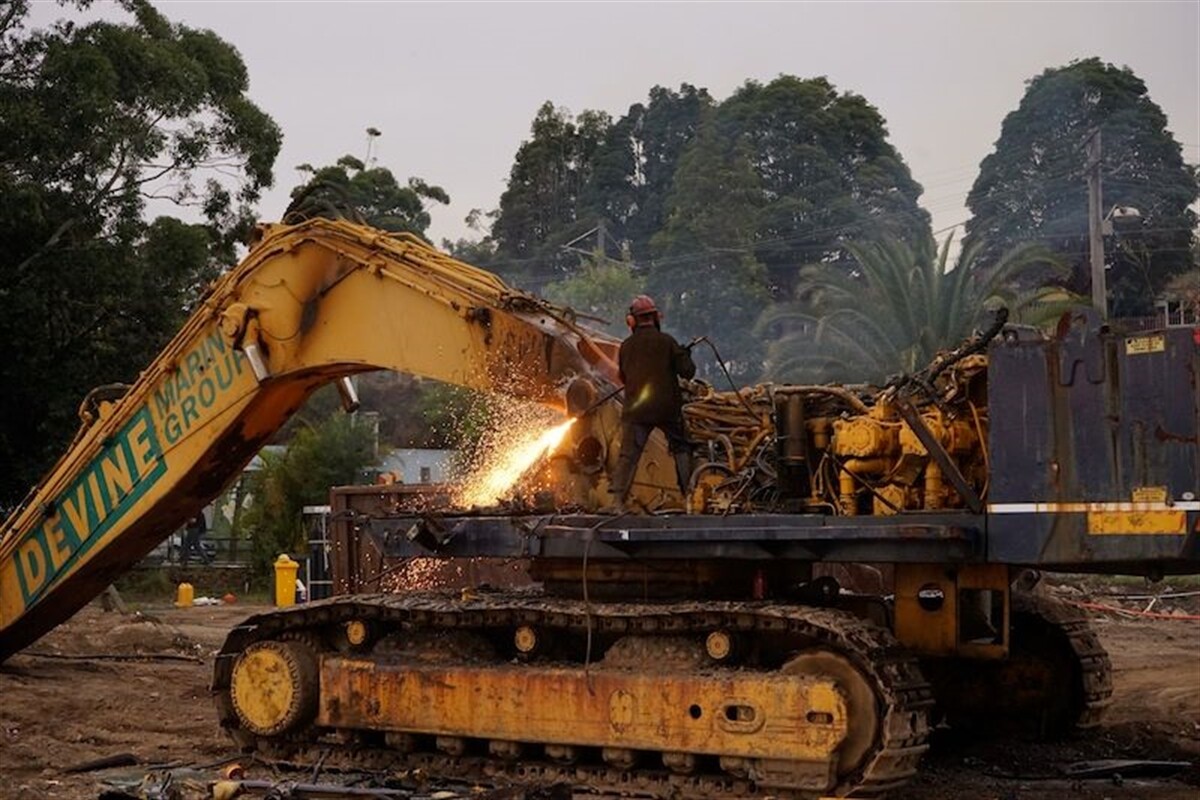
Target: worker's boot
[
  {"x": 617, "y": 507},
  {"x": 683, "y": 472},
  {"x": 619, "y": 487}
]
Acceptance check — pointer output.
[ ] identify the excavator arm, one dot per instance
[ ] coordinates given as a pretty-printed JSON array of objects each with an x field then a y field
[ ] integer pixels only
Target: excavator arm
[{"x": 312, "y": 303}]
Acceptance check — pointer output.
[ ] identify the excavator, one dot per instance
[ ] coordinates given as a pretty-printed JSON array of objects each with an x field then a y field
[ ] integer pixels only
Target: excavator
[{"x": 699, "y": 648}]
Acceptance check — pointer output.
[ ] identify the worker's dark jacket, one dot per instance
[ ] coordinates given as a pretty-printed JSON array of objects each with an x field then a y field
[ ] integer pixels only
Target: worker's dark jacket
[{"x": 651, "y": 363}]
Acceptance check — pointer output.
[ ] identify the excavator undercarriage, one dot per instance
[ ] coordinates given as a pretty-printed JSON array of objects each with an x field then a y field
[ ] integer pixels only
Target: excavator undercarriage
[{"x": 716, "y": 699}]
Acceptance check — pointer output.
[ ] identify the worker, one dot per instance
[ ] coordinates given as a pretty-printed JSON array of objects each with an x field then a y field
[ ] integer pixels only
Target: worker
[
  {"x": 193, "y": 539},
  {"x": 651, "y": 363}
]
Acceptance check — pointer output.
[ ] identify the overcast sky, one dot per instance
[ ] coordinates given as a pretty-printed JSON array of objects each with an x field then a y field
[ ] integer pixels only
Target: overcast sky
[{"x": 454, "y": 86}]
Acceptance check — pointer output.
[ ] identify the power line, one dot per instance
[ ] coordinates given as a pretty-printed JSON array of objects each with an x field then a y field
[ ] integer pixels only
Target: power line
[
  {"x": 853, "y": 225},
  {"x": 749, "y": 249}
]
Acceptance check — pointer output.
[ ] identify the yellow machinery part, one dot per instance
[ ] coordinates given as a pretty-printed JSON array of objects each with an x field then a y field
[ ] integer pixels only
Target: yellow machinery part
[
  {"x": 807, "y": 701},
  {"x": 1102, "y": 523},
  {"x": 311, "y": 304},
  {"x": 800, "y": 719},
  {"x": 937, "y": 604},
  {"x": 274, "y": 687},
  {"x": 721, "y": 712}
]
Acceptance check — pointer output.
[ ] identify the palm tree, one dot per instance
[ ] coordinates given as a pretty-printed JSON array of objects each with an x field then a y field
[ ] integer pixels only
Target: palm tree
[{"x": 897, "y": 309}]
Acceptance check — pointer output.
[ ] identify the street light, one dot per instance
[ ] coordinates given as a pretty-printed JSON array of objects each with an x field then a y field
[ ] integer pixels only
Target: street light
[
  {"x": 372, "y": 134},
  {"x": 1119, "y": 217}
]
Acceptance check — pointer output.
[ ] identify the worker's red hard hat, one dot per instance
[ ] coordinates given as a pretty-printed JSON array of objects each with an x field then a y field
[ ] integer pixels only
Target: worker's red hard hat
[{"x": 642, "y": 306}]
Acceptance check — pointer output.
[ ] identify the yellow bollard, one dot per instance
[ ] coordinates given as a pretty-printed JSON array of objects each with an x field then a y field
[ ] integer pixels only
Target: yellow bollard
[
  {"x": 184, "y": 595},
  {"x": 285, "y": 580}
]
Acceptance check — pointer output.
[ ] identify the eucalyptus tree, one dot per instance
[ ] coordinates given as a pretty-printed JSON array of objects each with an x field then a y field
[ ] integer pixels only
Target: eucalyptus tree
[
  {"x": 348, "y": 187},
  {"x": 826, "y": 174},
  {"x": 96, "y": 120}
]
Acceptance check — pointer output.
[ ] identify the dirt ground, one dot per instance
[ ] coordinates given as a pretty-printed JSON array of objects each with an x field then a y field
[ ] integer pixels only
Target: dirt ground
[{"x": 56, "y": 713}]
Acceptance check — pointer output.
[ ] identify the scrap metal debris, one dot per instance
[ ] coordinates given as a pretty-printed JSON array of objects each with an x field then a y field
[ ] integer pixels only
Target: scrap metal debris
[
  {"x": 106, "y": 762},
  {"x": 1126, "y": 768},
  {"x": 198, "y": 784}
]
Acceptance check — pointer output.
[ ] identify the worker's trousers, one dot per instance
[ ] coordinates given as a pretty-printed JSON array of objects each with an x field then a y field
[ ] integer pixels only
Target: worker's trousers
[{"x": 634, "y": 436}]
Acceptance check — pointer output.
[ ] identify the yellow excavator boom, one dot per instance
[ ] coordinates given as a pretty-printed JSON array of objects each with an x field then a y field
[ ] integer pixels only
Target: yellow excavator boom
[{"x": 310, "y": 304}]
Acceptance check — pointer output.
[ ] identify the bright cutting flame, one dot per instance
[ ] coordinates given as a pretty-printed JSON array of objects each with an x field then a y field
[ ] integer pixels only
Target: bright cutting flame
[{"x": 492, "y": 485}]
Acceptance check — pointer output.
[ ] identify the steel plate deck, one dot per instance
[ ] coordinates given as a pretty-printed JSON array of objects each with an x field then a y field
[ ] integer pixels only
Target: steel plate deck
[{"x": 954, "y": 537}]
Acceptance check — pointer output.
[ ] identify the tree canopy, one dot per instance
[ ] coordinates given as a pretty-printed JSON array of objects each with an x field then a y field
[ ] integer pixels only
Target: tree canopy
[
  {"x": 717, "y": 205},
  {"x": 331, "y": 452},
  {"x": 96, "y": 120},
  {"x": 635, "y": 164},
  {"x": 370, "y": 194},
  {"x": 825, "y": 174},
  {"x": 540, "y": 209},
  {"x": 705, "y": 276},
  {"x": 600, "y": 289},
  {"x": 1032, "y": 186}
]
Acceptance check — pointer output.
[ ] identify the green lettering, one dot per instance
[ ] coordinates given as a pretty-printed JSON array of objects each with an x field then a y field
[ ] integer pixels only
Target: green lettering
[
  {"x": 164, "y": 397},
  {"x": 79, "y": 518},
  {"x": 60, "y": 549},
  {"x": 190, "y": 414},
  {"x": 224, "y": 382},
  {"x": 31, "y": 566},
  {"x": 97, "y": 495},
  {"x": 215, "y": 344},
  {"x": 118, "y": 480},
  {"x": 142, "y": 446},
  {"x": 172, "y": 428},
  {"x": 195, "y": 365},
  {"x": 207, "y": 397}
]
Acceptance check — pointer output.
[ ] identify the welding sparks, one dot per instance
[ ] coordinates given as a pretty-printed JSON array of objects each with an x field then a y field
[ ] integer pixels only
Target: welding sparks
[{"x": 509, "y": 463}]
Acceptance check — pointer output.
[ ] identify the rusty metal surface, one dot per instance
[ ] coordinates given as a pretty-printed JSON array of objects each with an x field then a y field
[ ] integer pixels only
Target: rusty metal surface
[
  {"x": 1078, "y": 429},
  {"x": 360, "y": 561},
  {"x": 936, "y": 628},
  {"x": 795, "y": 717},
  {"x": 802, "y": 537},
  {"x": 1059, "y": 680},
  {"x": 902, "y": 694},
  {"x": 1082, "y": 428}
]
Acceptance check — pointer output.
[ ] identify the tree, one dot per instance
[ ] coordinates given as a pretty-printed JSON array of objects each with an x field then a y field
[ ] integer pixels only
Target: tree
[
  {"x": 1032, "y": 186},
  {"x": 480, "y": 251},
  {"x": 904, "y": 306},
  {"x": 331, "y": 453},
  {"x": 602, "y": 289},
  {"x": 96, "y": 119},
  {"x": 705, "y": 276},
  {"x": 576, "y": 173},
  {"x": 373, "y": 195},
  {"x": 634, "y": 166},
  {"x": 540, "y": 208},
  {"x": 826, "y": 174}
]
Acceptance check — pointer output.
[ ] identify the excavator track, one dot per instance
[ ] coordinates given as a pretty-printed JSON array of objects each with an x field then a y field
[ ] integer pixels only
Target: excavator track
[
  {"x": 1091, "y": 659},
  {"x": 1057, "y": 679},
  {"x": 622, "y": 642}
]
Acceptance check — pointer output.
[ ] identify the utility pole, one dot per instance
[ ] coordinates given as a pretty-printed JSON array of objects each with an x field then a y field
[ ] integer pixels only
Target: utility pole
[{"x": 1096, "y": 225}]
